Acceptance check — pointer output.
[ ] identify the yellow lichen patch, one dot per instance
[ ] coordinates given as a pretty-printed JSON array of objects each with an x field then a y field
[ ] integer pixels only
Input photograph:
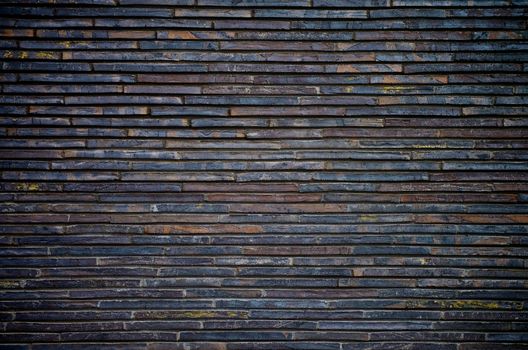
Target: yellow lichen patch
[
  {"x": 479, "y": 304},
  {"x": 19, "y": 55},
  {"x": 368, "y": 218},
  {"x": 242, "y": 314},
  {"x": 28, "y": 187},
  {"x": 358, "y": 272},
  {"x": 391, "y": 88},
  {"x": 472, "y": 304},
  {"x": 6, "y": 284},
  {"x": 199, "y": 314},
  {"x": 46, "y": 55},
  {"x": 424, "y": 261},
  {"x": 464, "y": 304}
]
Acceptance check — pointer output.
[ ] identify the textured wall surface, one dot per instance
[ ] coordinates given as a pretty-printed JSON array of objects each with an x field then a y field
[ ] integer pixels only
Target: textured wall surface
[{"x": 264, "y": 174}]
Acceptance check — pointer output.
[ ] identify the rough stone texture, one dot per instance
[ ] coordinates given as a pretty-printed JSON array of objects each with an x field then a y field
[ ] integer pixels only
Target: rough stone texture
[{"x": 261, "y": 174}]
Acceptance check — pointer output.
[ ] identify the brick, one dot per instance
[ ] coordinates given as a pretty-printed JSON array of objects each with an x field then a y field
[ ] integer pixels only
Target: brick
[
  {"x": 184, "y": 12},
  {"x": 461, "y": 67},
  {"x": 160, "y": 67},
  {"x": 79, "y": 45},
  {"x": 347, "y": 3},
  {"x": 91, "y": 100},
  {"x": 83, "y": 176},
  {"x": 47, "y": 66},
  {"x": 154, "y": 89},
  {"x": 310, "y": 13},
  {"x": 148, "y": 23},
  {"x": 263, "y": 187},
  {"x": 189, "y": 111},
  {"x": 112, "y": 12},
  {"x": 295, "y": 111},
  {"x": 245, "y": 3}
]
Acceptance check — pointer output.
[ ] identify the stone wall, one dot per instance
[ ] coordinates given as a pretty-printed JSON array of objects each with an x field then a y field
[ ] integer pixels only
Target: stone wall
[{"x": 264, "y": 174}]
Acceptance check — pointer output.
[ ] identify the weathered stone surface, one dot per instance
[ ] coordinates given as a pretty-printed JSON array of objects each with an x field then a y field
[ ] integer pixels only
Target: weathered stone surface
[{"x": 263, "y": 174}]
